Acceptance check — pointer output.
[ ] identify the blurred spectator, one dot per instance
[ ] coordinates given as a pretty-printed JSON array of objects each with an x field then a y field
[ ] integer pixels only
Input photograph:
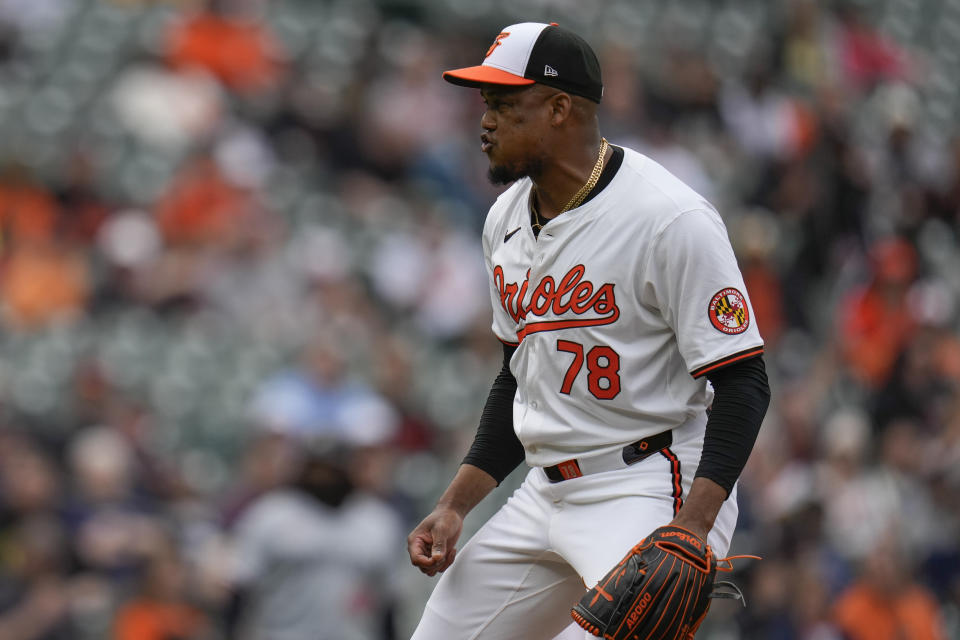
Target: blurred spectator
[
  {"x": 921, "y": 386},
  {"x": 946, "y": 199},
  {"x": 29, "y": 481},
  {"x": 314, "y": 560},
  {"x": 34, "y": 15},
  {"x": 866, "y": 56},
  {"x": 884, "y": 500},
  {"x": 43, "y": 281},
  {"x": 84, "y": 209},
  {"x": 885, "y": 603},
  {"x": 395, "y": 379},
  {"x": 876, "y": 320},
  {"x": 166, "y": 108},
  {"x": 112, "y": 530},
  {"x": 34, "y": 592},
  {"x": 755, "y": 238},
  {"x": 807, "y": 50},
  {"x": 423, "y": 271},
  {"x": 320, "y": 399},
  {"x": 683, "y": 84},
  {"x": 406, "y": 111},
  {"x": 811, "y": 610},
  {"x": 28, "y": 212},
  {"x": 903, "y": 166},
  {"x": 228, "y": 43},
  {"x": 798, "y": 613},
  {"x": 764, "y": 120},
  {"x": 160, "y": 610},
  {"x": 201, "y": 206}
]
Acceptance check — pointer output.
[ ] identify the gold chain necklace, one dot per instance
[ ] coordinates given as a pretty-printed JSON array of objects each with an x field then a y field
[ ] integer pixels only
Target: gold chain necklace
[{"x": 587, "y": 187}]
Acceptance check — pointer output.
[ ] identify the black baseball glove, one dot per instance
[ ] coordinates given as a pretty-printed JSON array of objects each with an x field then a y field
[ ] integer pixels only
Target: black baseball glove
[{"x": 660, "y": 590}]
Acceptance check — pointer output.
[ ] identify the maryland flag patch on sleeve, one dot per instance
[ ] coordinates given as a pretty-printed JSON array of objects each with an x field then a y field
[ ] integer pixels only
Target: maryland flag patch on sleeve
[{"x": 728, "y": 311}]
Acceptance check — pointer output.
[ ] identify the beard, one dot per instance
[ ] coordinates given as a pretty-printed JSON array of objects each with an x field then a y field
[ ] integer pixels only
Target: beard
[{"x": 505, "y": 174}]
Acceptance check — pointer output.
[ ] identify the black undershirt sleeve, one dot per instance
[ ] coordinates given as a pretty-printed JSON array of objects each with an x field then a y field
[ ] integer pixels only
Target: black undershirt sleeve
[
  {"x": 741, "y": 396},
  {"x": 496, "y": 448}
]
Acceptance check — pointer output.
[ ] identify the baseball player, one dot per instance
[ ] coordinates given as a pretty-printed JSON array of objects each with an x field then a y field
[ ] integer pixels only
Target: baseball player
[{"x": 633, "y": 383}]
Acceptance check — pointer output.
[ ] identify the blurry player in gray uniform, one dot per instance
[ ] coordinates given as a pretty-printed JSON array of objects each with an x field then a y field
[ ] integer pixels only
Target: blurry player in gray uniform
[{"x": 295, "y": 576}]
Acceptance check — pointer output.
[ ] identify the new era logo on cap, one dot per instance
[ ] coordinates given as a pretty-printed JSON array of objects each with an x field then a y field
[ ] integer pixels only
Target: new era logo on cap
[{"x": 519, "y": 53}]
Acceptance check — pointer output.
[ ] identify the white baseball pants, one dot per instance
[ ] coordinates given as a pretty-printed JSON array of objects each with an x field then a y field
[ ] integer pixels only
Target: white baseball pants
[{"x": 520, "y": 574}]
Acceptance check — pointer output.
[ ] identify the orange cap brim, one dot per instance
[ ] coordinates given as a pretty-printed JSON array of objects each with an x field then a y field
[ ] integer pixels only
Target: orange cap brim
[{"x": 481, "y": 75}]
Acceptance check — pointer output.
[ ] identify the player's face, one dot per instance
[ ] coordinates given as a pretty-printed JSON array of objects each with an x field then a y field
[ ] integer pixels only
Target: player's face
[{"x": 515, "y": 125}]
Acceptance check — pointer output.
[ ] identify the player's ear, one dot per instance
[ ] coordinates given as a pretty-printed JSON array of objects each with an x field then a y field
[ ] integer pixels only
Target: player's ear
[{"x": 561, "y": 108}]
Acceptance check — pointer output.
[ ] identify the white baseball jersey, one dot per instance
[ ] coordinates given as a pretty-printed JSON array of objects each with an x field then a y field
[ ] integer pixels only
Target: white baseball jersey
[{"x": 619, "y": 308}]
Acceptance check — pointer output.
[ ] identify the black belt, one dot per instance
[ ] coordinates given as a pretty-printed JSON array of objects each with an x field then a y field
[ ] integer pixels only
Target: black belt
[{"x": 630, "y": 454}]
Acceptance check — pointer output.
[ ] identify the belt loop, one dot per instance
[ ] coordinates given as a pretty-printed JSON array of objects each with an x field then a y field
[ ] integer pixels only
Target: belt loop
[{"x": 643, "y": 448}]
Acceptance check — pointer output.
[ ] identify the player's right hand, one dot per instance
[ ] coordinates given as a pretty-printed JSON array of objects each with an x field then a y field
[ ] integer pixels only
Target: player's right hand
[{"x": 432, "y": 545}]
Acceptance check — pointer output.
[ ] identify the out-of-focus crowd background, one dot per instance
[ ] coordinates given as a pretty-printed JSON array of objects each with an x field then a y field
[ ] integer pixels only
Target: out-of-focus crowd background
[{"x": 244, "y": 325}]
